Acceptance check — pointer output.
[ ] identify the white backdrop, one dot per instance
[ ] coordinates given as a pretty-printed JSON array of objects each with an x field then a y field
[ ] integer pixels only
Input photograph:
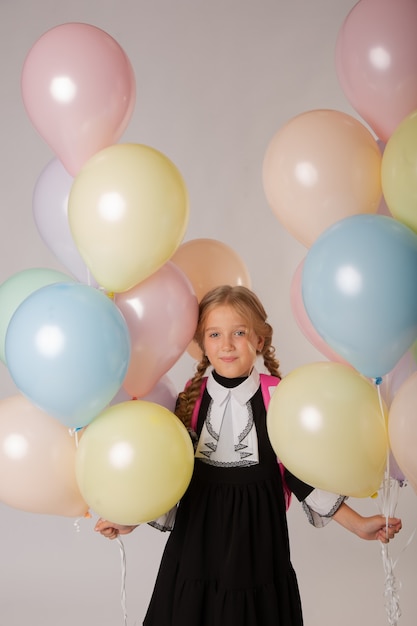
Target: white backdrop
[{"x": 215, "y": 81}]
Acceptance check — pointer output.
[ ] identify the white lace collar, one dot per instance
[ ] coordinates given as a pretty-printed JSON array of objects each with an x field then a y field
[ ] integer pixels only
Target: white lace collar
[{"x": 239, "y": 443}]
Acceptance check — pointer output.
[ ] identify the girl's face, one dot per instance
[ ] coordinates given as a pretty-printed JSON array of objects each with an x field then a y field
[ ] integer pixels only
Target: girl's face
[{"x": 230, "y": 345}]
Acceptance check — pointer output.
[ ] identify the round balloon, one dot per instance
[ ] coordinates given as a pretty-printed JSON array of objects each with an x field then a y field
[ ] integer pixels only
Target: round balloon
[
  {"x": 403, "y": 369},
  {"x": 37, "y": 461},
  {"x": 209, "y": 263},
  {"x": 402, "y": 428},
  {"x": 303, "y": 321},
  {"x": 134, "y": 462},
  {"x": 376, "y": 54},
  {"x": 321, "y": 167},
  {"x": 326, "y": 425},
  {"x": 128, "y": 212},
  {"x": 161, "y": 314},
  {"x": 163, "y": 393},
  {"x": 360, "y": 292},
  {"x": 79, "y": 91},
  {"x": 17, "y": 288},
  {"x": 399, "y": 172},
  {"x": 50, "y": 212},
  {"x": 67, "y": 349}
]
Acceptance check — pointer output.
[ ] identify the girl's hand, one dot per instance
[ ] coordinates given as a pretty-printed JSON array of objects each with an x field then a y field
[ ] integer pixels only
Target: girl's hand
[
  {"x": 376, "y": 527},
  {"x": 380, "y": 528},
  {"x": 111, "y": 530}
]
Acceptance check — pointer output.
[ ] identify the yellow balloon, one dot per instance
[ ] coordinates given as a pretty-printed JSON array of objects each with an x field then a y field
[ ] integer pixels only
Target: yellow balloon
[
  {"x": 327, "y": 426},
  {"x": 128, "y": 212},
  {"x": 134, "y": 462},
  {"x": 399, "y": 172}
]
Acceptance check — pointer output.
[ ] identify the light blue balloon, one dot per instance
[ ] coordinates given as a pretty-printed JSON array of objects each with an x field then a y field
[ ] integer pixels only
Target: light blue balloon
[
  {"x": 359, "y": 289},
  {"x": 68, "y": 349}
]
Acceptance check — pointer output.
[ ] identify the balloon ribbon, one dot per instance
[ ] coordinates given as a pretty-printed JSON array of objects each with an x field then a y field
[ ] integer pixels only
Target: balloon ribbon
[{"x": 123, "y": 589}]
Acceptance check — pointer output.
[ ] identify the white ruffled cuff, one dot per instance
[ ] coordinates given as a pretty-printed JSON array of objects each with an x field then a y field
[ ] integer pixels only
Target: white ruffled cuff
[
  {"x": 320, "y": 506},
  {"x": 166, "y": 521}
]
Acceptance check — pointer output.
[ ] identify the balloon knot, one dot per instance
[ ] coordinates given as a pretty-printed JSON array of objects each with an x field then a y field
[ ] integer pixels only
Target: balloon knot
[{"x": 378, "y": 380}]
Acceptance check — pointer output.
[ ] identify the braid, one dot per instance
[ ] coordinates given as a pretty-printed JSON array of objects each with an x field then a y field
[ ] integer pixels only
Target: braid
[
  {"x": 187, "y": 398},
  {"x": 268, "y": 353},
  {"x": 247, "y": 304}
]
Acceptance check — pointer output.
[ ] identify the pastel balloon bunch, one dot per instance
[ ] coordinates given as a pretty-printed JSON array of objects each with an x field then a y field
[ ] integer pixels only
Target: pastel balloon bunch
[
  {"x": 349, "y": 197},
  {"x": 378, "y": 36},
  {"x": 113, "y": 214},
  {"x": 90, "y": 352}
]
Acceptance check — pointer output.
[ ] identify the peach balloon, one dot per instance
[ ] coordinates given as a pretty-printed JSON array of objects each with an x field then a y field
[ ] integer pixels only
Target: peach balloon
[
  {"x": 304, "y": 322},
  {"x": 79, "y": 91},
  {"x": 209, "y": 263},
  {"x": 402, "y": 429},
  {"x": 319, "y": 168},
  {"x": 37, "y": 461}
]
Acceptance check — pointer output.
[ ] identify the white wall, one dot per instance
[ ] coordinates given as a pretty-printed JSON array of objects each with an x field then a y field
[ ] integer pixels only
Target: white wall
[{"x": 215, "y": 81}]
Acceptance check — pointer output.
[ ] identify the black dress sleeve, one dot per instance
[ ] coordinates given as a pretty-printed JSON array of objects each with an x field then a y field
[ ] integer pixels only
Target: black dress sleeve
[{"x": 300, "y": 489}]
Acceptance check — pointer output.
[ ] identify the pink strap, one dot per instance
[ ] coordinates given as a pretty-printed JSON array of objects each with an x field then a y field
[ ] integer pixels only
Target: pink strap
[
  {"x": 198, "y": 403},
  {"x": 267, "y": 381}
]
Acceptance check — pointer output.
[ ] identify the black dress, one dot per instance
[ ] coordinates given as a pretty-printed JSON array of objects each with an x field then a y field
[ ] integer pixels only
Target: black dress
[{"x": 227, "y": 560}]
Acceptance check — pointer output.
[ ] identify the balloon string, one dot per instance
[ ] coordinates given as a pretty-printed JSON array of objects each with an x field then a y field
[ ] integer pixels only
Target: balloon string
[
  {"x": 389, "y": 495},
  {"x": 387, "y": 482},
  {"x": 123, "y": 588},
  {"x": 74, "y": 433},
  {"x": 392, "y": 602}
]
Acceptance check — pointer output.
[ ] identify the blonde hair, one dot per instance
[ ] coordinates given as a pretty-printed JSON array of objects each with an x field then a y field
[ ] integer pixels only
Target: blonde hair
[{"x": 248, "y": 305}]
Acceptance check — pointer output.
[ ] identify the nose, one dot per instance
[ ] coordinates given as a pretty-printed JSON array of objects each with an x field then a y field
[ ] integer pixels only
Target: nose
[{"x": 227, "y": 343}]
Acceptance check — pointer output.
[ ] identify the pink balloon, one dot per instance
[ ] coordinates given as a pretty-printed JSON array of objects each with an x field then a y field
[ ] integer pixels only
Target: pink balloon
[
  {"x": 164, "y": 393},
  {"x": 161, "y": 314},
  {"x": 78, "y": 88},
  {"x": 303, "y": 321},
  {"x": 376, "y": 61},
  {"x": 50, "y": 212}
]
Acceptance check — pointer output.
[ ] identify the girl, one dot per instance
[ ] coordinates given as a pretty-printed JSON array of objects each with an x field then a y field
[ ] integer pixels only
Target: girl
[{"x": 227, "y": 560}]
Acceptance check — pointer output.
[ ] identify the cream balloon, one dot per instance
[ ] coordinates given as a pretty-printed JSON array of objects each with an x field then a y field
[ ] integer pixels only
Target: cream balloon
[
  {"x": 128, "y": 212},
  {"x": 399, "y": 172},
  {"x": 319, "y": 168},
  {"x": 326, "y": 425},
  {"x": 134, "y": 462},
  {"x": 37, "y": 461},
  {"x": 402, "y": 429}
]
